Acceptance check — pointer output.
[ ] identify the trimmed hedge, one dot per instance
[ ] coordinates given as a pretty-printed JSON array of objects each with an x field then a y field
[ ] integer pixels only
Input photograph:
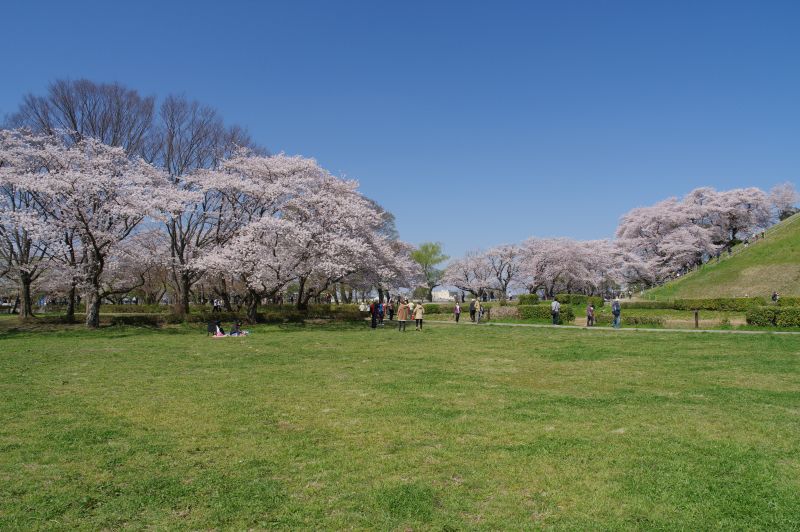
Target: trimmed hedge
[
  {"x": 774, "y": 316},
  {"x": 720, "y": 303},
  {"x": 579, "y": 299},
  {"x": 652, "y": 321},
  {"x": 646, "y": 304},
  {"x": 789, "y": 301},
  {"x": 528, "y": 299},
  {"x": 504, "y": 312},
  {"x": 542, "y": 313}
]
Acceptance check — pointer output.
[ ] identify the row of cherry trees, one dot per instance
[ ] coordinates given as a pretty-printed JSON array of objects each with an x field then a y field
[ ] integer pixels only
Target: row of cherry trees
[
  {"x": 652, "y": 244},
  {"x": 80, "y": 217}
]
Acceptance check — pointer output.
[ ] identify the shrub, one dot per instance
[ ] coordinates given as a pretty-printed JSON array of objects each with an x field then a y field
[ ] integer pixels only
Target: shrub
[
  {"x": 720, "y": 303},
  {"x": 579, "y": 299},
  {"x": 542, "y": 313},
  {"x": 762, "y": 316},
  {"x": 528, "y": 299},
  {"x": 432, "y": 308},
  {"x": 504, "y": 312},
  {"x": 788, "y": 317},
  {"x": 789, "y": 301},
  {"x": 774, "y": 316},
  {"x": 646, "y": 304},
  {"x": 652, "y": 321}
]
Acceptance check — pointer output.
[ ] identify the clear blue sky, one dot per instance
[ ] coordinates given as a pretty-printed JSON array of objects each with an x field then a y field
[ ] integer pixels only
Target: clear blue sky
[{"x": 476, "y": 123}]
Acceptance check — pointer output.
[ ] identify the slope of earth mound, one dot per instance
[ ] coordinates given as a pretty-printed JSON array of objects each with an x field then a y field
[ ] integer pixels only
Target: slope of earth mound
[{"x": 768, "y": 265}]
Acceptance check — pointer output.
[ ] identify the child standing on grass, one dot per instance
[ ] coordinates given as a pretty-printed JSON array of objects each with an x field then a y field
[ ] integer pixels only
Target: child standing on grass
[
  {"x": 457, "y": 311},
  {"x": 419, "y": 312}
]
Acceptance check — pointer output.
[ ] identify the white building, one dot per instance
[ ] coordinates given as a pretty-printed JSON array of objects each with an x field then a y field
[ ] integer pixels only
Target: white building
[{"x": 443, "y": 295}]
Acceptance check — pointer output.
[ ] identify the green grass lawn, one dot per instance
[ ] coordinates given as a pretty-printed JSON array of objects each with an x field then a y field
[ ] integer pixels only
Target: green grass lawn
[{"x": 457, "y": 427}]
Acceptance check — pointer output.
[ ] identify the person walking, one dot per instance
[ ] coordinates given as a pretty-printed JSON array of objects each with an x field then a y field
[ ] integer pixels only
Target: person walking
[
  {"x": 616, "y": 311},
  {"x": 457, "y": 311},
  {"x": 478, "y": 311},
  {"x": 390, "y": 309},
  {"x": 381, "y": 312},
  {"x": 403, "y": 313},
  {"x": 590, "y": 315},
  {"x": 419, "y": 313},
  {"x": 373, "y": 312},
  {"x": 555, "y": 311},
  {"x": 472, "y": 310}
]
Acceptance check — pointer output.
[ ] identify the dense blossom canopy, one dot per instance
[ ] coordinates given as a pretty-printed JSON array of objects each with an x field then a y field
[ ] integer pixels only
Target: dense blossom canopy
[{"x": 84, "y": 215}]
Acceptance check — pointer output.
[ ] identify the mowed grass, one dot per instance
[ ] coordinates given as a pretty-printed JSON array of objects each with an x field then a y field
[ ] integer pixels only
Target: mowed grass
[{"x": 456, "y": 427}]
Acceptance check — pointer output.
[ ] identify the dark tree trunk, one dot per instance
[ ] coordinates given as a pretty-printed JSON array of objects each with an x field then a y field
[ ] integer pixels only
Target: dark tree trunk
[
  {"x": 26, "y": 304},
  {"x": 380, "y": 295},
  {"x": 70, "y": 317},
  {"x": 302, "y": 300},
  {"x": 252, "y": 306},
  {"x": 186, "y": 286},
  {"x": 93, "y": 301}
]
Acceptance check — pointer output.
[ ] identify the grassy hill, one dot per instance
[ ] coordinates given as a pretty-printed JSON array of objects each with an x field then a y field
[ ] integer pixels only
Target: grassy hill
[{"x": 757, "y": 270}]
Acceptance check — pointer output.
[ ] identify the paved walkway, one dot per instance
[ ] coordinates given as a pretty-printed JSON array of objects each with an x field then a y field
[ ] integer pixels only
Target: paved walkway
[{"x": 622, "y": 329}]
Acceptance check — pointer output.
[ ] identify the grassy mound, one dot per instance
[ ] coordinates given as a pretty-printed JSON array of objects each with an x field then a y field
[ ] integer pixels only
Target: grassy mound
[{"x": 768, "y": 265}]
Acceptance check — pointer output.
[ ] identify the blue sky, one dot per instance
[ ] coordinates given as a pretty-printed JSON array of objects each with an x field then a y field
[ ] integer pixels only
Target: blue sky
[{"x": 476, "y": 123}]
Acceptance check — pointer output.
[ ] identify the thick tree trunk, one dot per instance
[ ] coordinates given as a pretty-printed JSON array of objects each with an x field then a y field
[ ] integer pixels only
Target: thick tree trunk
[
  {"x": 70, "y": 317},
  {"x": 302, "y": 300},
  {"x": 380, "y": 295},
  {"x": 186, "y": 286},
  {"x": 26, "y": 304},
  {"x": 93, "y": 301},
  {"x": 252, "y": 306}
]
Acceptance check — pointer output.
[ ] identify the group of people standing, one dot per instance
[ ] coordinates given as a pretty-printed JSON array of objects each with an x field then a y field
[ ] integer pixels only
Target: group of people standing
[
  {"x": 406, "y": 310},
  {"x": 616, "y": 312}
]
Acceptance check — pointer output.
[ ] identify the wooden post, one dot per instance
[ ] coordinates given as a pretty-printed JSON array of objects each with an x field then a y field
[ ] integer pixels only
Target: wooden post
[{"x": 696, "y": 319}]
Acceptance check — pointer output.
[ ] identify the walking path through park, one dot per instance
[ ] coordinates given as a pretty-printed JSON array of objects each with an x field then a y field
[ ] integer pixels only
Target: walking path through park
[{"x": 621, "y": 329}]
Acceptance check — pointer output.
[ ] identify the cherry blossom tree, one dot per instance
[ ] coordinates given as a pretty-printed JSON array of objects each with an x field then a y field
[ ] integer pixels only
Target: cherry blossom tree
[
  {"x": 26, "y": 235},
  {"x": 784, "y": 199},
  {"x": 741, "y": 212},
  {"x": 471, "y": 273},
  {"x": 97, "y": 193},
  {"x": 504, "y": 264}
]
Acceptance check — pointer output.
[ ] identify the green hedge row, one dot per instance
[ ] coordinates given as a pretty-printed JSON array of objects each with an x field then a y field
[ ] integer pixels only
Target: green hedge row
[
  {"x": 653, "y": 321},
  {"x": 720, "y": 303},
  {"x": 774, "y": 316},
  {"x": 789, "y": 301},
  {"x": 579, "y": 299},
  {"x": 542, "y": 313},
  {"x": 528, "y": 299},
  {"x": 646, "y": 304}
]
